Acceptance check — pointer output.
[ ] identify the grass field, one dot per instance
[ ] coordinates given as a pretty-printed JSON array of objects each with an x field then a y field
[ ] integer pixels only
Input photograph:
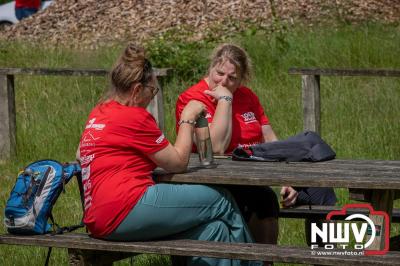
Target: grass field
[{"x": 360, "y": 115}]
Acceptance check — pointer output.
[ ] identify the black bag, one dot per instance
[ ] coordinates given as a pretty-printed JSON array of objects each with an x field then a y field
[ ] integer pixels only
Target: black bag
[{"x": 306, "y": 146}]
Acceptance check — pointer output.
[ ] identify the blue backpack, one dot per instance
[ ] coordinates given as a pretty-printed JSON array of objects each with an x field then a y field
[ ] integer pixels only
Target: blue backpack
[{"x": 34, "y": 194}]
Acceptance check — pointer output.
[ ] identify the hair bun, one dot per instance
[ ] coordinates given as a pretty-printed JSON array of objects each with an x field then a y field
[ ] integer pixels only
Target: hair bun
[
  {"x": 131, "y": 67},
  {"x": 134, "y": 53}
]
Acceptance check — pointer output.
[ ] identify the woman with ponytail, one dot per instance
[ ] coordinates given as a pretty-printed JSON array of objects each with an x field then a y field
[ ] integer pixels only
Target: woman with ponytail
[{"x": 120, "y": 147}]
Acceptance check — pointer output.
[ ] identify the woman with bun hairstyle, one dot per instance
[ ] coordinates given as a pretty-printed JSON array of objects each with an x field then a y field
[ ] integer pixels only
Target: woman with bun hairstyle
[{"x": 120, "y": 147}]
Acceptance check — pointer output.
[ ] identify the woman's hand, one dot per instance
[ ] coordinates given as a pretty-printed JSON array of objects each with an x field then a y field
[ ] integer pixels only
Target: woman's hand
[
  {"x": 192, "y": 110},
  {"x": 218, "y": 91},
  {"x": 289, "y": 196}
]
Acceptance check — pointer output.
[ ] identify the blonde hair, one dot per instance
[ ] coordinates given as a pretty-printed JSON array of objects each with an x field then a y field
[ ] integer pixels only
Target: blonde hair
[
  {"x": 236, "y": 56},
  {"x": 131, "y": 67}
]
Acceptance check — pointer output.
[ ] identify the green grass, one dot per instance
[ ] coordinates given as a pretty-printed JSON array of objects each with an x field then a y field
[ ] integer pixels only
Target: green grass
[{"x": 360, "y": 115}]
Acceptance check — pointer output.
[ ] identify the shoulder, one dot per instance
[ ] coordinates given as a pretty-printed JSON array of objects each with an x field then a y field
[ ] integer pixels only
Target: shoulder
[
  {"x": 140, "y": 115},
  {"x": 245, "y": 92},
  {"x": 136, "y": 120},
  {"x": 126, "y": 115},
  {"x": 196, "y": 89},
  {"x": 195, "y": 92}
]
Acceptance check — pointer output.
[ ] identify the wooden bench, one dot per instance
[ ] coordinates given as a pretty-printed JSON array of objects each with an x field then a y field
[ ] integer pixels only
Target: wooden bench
[
  {"x": 380, "y": 176},
  {"x": 84, "y": 250}
]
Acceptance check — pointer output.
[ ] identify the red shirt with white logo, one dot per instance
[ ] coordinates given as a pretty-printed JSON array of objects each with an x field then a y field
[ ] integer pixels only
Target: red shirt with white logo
[
  {"x": 247, "y": 113},
  {"x": 116, "y": 170},
  {"x": 27, "y": 4}
]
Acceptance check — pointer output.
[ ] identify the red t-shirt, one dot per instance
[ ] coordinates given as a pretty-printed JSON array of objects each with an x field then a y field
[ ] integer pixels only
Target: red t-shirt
[
  {"x": 27, "y": 4},
  {"x": 116, "y": 170},
  {"x": 247, "y": 113}
]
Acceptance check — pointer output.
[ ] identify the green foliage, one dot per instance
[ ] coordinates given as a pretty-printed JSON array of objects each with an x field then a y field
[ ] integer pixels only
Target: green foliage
[
  {"x": 278, "y": 32},
  {"x": 189, "y": 59},
  {"x": 359, "y": 114}
]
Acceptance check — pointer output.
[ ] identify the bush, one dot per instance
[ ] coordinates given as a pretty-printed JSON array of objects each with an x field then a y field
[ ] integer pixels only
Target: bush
[{"x": 189, "y": 59}]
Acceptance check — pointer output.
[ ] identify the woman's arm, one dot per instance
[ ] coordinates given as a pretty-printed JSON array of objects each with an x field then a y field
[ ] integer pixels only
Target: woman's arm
[
  {"x": 268, "y": 133},
  {"x": 175, "y": 158},
  {"x": 221, "y": 126}
]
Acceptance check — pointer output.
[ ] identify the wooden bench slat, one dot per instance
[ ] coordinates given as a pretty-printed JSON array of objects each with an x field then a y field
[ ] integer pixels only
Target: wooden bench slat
[
  {"x": 200, "y": 248},
  {"x": 345, "y": 72},
  {"x": 68, "y": 71},
  {"x": 320, "y": 212}
]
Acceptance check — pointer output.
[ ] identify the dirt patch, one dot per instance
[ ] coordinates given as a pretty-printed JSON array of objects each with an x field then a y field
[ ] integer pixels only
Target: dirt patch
[{"x": 83, "y": 23}]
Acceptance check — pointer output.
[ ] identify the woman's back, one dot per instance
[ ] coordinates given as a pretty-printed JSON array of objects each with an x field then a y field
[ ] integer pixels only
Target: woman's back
[{"x": 116, "y": 170}]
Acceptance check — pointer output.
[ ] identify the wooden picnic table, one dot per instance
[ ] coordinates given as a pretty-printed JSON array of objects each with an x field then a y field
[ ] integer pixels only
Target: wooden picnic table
[
  {"x": 376, "y": 180},
  {"x": 380, "y": 178}
]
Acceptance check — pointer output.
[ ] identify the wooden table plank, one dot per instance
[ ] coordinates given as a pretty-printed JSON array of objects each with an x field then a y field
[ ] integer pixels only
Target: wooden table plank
[{"x": 364, "y": 174}]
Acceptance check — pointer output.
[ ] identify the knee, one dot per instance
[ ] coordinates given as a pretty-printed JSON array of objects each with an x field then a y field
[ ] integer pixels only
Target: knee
[
  {"x": 216, "y": 231},
  {"x": 226, "y": 196}
]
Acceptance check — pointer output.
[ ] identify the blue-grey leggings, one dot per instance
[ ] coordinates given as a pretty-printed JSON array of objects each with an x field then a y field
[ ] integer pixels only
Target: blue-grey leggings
[{"x": 186, "y": 212}]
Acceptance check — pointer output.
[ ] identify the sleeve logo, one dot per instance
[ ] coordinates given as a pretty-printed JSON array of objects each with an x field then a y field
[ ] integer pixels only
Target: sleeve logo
[{"x": 160, "y": 139}]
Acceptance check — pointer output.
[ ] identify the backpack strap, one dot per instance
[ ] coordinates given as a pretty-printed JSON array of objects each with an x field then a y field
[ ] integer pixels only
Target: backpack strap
[
  {"x": 46, "y": 263},
  {"x": 82, "y": 194},
  {"x": 66, "y": 229},
  {"x": 81, "y": 191},
  {"x": 60, "y": 230}
]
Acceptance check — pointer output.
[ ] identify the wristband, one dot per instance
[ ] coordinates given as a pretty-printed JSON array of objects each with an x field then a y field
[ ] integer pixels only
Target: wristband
[
  {"x": 226, "y": 98},
  {"x": 191, "y": 122}
]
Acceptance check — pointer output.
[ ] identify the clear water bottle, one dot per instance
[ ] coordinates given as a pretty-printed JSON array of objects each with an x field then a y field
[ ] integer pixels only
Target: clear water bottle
[{"x": 203, "y": 140}]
